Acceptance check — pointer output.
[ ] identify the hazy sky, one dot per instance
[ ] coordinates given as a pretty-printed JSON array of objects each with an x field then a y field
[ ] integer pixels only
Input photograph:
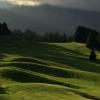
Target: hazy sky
[
  {"x": 81, "y": 4},
  {"x": 39, "y": 18}
]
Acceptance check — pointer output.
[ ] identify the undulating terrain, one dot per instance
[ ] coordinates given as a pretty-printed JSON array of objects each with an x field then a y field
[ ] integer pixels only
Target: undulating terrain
[{"x": 47, "y": 71}]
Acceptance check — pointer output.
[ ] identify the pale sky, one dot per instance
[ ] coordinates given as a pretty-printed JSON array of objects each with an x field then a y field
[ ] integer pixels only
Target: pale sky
[{"x": 93, "y": 5}]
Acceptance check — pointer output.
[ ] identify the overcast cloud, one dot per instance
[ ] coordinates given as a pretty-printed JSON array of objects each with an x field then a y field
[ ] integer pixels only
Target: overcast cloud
[{"x": 93, "y": 5}]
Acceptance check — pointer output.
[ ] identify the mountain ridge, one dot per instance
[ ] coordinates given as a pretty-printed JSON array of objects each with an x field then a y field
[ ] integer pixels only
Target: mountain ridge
[{"x": 46, "y": 18}]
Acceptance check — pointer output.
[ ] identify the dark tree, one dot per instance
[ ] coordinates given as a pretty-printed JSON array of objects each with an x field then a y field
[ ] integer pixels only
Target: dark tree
[
  {"x": 32, "y": 35},
  {"x": 90, "y": 37},
  {"x": 17, "y": 32},
  {"x": 82, "y": 33},
  {"x": 55, "y": 37},
  {"x": 92, "y": 55},
  {"x": 64, "y": 37},
  {"x": 4, "y": 30},
  {"x": 70, "y": 39},
  {"x": 93, "y": 44},
  {"x": 92, "y": 41}
]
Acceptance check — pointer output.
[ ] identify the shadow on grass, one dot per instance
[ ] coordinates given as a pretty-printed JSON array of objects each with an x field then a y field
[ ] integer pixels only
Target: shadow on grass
[
  {"x": 68, "y": 57},
  {"x": 35, "y": 58},
  {"x": 29, "y": 60},
  {"x": 52, "y": 71},
  {"x": 56, "y": 54},
  {"x": 45, "y": 70},
  {"x": 2, "y": 56},
  {"x": 2, "y": 90},
  {"x": 23, "y": 77}
]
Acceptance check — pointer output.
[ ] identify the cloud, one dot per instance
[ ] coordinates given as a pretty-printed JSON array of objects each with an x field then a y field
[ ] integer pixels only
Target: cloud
[
  {"x": 24, "y": 2},
  {"x": 93, "y": 5},
  {"x": 35, "y": 2}
]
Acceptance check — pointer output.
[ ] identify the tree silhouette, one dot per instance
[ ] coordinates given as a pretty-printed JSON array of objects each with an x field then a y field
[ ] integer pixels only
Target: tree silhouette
[
  {"x": 90, "y": 37},
  {"x": 81, "y": 34},
  {"x": 55, "y": 37},
  {"x": 4, "y": 30},
  {"x": 93, "y": 44},
  {"x": 64, "y": 37}
]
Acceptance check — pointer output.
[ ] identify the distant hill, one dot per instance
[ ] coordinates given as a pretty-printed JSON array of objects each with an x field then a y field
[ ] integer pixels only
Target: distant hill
[{"x": 46, "y": 17}]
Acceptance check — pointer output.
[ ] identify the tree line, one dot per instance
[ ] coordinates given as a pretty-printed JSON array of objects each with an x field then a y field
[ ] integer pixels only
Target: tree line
[
  {"x": 82, "y": 35},
  {"x": 32, "y": 35}
]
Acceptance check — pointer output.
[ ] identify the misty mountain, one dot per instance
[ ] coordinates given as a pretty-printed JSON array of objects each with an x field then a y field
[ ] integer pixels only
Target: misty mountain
[{"x": 49, "y": 18}]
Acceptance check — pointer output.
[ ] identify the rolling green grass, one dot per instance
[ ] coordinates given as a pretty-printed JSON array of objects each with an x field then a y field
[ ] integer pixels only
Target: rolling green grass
[{"x": 47, "y": 71}]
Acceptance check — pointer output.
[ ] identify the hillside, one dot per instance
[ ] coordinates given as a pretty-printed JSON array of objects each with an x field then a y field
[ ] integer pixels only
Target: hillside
[
  {"x": 47, "y": 18},
  {"x": 50, "y": 71}
]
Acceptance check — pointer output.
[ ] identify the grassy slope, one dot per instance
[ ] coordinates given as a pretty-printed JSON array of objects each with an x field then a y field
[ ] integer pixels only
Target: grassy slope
[{"x": 24, "y": 64}]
